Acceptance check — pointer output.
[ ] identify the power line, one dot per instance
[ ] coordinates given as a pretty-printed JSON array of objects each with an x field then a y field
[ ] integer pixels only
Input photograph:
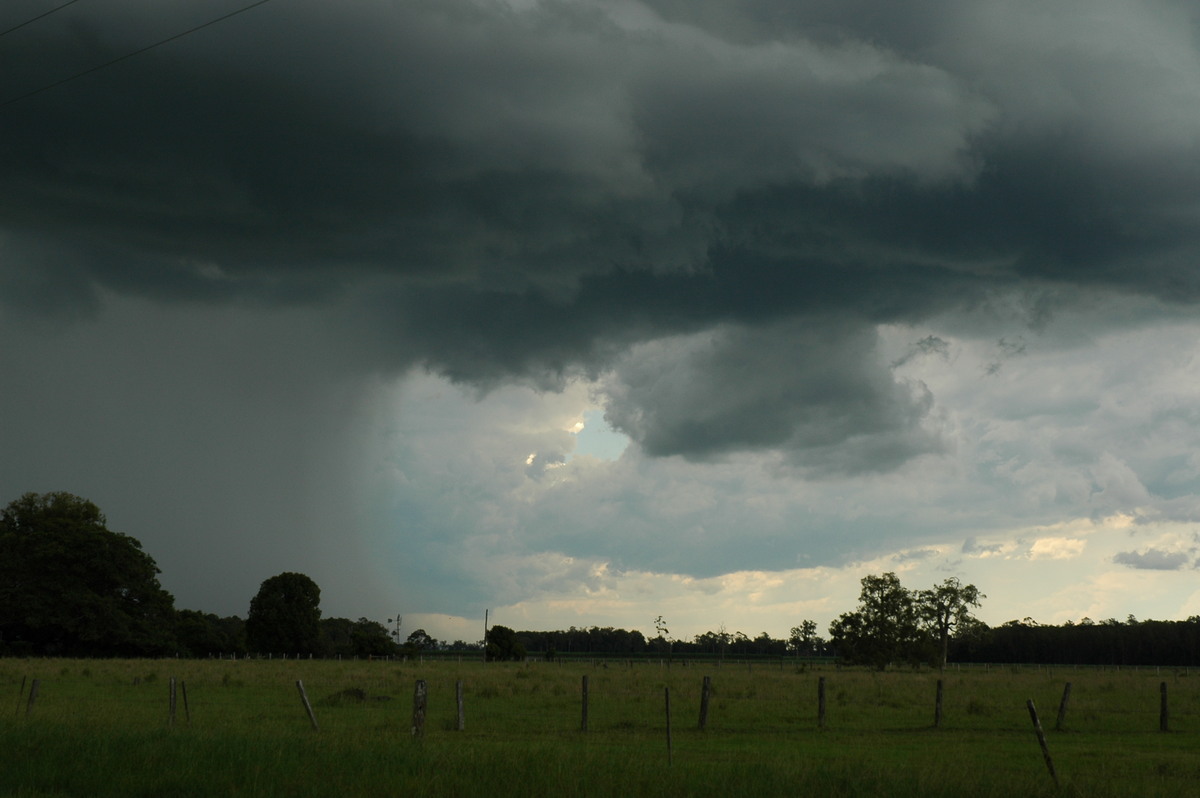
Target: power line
[
  {"x": 127, "y": 56},
  {"x": 39, "y": 16}
]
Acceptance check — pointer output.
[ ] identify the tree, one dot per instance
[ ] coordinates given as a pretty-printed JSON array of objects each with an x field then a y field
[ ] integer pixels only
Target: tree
[
  {"x": 337, "y": 637},
  {"x": 884, "y": 628},
  {"x": 71, "y": 586},
  {"x": 664, "y": 635},
  {"x": 285, "y": 615},
  {"x": 804, "y": 639},
  {"x": 502, "y": 644},
  {"x": 371, "y": 639},
  {"x": 204, "y": 634},
  {"x": 945, "y": 609},
  {"x": 417, "y": 642}
]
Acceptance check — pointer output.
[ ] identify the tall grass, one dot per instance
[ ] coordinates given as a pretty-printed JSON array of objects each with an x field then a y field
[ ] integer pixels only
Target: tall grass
[{"x": 100, "y": 728}]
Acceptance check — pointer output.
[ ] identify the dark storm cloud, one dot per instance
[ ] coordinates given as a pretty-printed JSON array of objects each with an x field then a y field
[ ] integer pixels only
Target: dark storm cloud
[
  {"x": 683, "y": 193},
  {"x": 812, "y": 389}
]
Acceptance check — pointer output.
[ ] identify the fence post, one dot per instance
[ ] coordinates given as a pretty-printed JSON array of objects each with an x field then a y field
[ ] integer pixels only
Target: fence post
[
  {"x": 33, "y": 693},
  {"x": 1037, "y": 727},
  {"x": 667, "y": 694},
  {"x": 187, "y": 712},
  {"x": 312, "y": 718},
  {"x": 937, "y": 707},
  {"x": 1061, "y": 722},
  {"x": 704, "y": 691},
  {"x": 420, "y": 693},
  {"x": 583, "y": 723},
  {"x": 462, "y": 715},
  {"x": 821, "y": 703}
]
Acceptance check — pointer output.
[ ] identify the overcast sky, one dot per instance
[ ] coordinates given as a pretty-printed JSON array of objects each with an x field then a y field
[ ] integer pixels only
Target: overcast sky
[{"x": 590, "y": 311}]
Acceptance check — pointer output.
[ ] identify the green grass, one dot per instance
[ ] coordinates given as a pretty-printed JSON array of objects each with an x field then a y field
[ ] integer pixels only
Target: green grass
[{"x": 99, "y": 728}]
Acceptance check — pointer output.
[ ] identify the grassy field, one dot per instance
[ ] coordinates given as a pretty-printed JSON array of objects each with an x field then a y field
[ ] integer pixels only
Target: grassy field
[{"x": 100, "y": 728}]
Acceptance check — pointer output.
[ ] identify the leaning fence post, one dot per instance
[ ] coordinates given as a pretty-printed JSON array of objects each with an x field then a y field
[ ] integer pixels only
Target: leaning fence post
[
  {"x": 187, "y": 713},
  {"x": 1061, "y": 722},
  {"x": 420, "y": 694},
  {"x": 1162, "y": 710},
  {"x": 33, "y": 692},
  {"x": 704, "y": 691},
  {"x": 1037, "y": 726},
  {"x": 307, "y": 706}
]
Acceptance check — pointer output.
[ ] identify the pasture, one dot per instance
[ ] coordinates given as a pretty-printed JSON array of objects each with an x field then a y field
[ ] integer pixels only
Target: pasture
[{"x": 100, "y": 728}]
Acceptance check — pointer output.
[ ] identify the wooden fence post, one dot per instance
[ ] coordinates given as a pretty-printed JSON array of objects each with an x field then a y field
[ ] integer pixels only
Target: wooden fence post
[
  {"x": 583, "y": 723},
  {"x": 704, "y": 691},
  {"x": 462, "y": 715},
  {"x": 937, "y": 707},
  {"x": 1061, "y": 722},
  {"x": 667, "y": 694},
  {"x": 1162, "y": 709},
  {"x": 187, "y": 712},
  {"x": 821, "y": 703},
  {"x": 312, "y": 718},
  {"x": 33, "y": 693},
  {"x": 1037, "y": 727},
  {"x": 420, "y": 697}
]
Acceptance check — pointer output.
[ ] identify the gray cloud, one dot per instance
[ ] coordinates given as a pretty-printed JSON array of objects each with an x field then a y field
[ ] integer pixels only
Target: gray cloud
[
  {"x": 815, "y": 390},
  {"x": 271, "y": 159},
  {"x": 1152, "y": 560},
  {"x": 972, "y": 546}
]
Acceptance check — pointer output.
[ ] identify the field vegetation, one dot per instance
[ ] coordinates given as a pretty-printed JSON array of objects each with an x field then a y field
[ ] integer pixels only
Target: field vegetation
[{"x": 100, "y": 728}]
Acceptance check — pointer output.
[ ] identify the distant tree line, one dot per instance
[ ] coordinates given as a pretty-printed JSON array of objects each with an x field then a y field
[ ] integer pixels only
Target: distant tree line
[
  {"x": 608, "y": 640},
  {"x": 69, "y": 586},
  {"x": 1087, "y": 642}
]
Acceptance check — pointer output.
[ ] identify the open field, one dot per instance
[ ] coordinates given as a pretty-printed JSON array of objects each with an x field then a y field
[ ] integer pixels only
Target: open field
[{"x": 100, "y": 728}]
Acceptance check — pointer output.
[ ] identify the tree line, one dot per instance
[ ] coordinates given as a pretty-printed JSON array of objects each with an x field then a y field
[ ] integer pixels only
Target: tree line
[
  {"x": 69, "y": 586},
  {"x": 895, "y": 626}
]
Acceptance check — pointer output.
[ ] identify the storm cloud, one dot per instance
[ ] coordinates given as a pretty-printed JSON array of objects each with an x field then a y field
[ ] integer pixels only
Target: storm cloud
[{"x": 756, "y": 229}]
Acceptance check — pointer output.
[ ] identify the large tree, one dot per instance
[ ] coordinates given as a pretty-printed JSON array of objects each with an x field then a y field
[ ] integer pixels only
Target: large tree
[
  {"x": 362, "y": 638},
  {"x": 804, "y": 639},
  {"x": 883, "y": 629},
  {"x": 71, "y": 586},
  {"x": 501, "y": 644},
  {"x": 945, "y": 609},
  {"x": 285, "y": 616},
  {"x": 371, "y": 639}
]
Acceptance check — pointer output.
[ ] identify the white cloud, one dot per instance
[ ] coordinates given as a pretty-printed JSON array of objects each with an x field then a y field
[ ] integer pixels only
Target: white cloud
[{"x": 1056, "y": 548}]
